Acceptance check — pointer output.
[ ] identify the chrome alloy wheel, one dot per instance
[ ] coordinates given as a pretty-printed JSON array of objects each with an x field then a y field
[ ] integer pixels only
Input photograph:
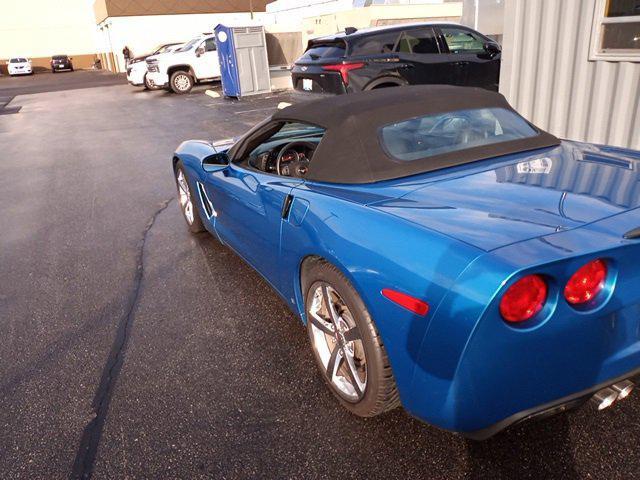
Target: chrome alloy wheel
[
  {"x": 337, "y": 342},
  {"x": 182, "y": 82},
  {"x": 185, "y": 197}
]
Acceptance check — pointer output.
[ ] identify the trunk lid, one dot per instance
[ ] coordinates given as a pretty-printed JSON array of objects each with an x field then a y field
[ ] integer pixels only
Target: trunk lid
[{"x": 521, "y": 196}]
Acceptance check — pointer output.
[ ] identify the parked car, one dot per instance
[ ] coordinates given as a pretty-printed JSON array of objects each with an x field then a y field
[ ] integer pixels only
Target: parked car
[
  {"x": 137, "y": 67},
  {"x": 196, "y": 61},
  {"x": 61, "y": 62},
  {"x": 391, "y": 56},
  {"x": 19, "y": 66},
  {"x": 445, "y": 254}
]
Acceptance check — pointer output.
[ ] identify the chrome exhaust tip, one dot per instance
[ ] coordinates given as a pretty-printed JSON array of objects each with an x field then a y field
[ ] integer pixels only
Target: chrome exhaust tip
[
  {"x": 623, "y": 389},
  {"x": 605, "y": 398}
]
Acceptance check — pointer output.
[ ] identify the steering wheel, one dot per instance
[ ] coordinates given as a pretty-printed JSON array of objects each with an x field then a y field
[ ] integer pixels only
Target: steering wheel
[
  {"x": 450, "y": 124},
  {"x": 297, "y": 167}
]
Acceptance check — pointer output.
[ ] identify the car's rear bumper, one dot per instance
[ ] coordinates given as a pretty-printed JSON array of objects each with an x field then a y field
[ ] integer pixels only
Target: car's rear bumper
[
  {"x": 475, "y": 374},
  {"x": 313, "y": 79},
  {"x": 497, "y": 382},
  {"x": 551, "y": 408}
]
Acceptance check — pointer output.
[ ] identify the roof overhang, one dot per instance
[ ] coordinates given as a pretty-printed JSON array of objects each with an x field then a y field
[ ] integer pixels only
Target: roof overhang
[{"x": 104, "y": 9}]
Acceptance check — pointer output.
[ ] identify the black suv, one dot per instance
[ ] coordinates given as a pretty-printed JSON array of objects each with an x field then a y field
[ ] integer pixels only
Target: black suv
[
  {"x": 355, "y": 60},
  {"x": 61, "y": 62}
]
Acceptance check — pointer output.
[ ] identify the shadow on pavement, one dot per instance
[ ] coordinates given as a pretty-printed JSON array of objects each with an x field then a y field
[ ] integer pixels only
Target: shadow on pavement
[{"x": 539, "y": 449}]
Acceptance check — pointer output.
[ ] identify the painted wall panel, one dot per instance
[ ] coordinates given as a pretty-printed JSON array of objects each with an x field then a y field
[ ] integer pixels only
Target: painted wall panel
[{"x": 548, "y": 77}]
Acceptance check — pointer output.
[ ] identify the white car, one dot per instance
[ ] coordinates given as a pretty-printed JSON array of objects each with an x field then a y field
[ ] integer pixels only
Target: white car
[
  {"x": 196, "y": 61},
  {"x": 137, "y": 67},
  {"x": 19, "y": 66}
]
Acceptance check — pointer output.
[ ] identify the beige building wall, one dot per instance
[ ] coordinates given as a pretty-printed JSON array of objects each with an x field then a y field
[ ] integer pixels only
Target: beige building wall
[
  {"x": 38, "y": 29},
  {"x": 378, "y": 15},
  {"x": 142, "y": 33},
  {"x": 553, "y": 76}
]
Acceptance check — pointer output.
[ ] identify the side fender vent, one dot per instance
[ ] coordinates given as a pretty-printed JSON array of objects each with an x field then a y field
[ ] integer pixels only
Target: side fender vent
[{"x": 206, "y": 203}]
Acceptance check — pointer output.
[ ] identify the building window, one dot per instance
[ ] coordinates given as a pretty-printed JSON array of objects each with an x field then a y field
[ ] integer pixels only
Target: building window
[{"x": 616, "y": 30}]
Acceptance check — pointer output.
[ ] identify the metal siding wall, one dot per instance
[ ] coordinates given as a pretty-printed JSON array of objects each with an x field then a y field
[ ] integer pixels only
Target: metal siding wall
[{"x": 547, "y": 76}]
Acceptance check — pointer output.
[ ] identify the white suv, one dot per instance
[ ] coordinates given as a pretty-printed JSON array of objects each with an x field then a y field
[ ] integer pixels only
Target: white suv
[
  {"x": 19, "y": 66},
  {"x": 196, "y": 61}
]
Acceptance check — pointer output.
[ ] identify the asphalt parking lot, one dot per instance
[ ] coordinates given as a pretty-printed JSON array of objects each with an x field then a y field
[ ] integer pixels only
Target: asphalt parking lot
[
  {"x": 47, "y": 81},
  {"x": 133, "y": 349}
]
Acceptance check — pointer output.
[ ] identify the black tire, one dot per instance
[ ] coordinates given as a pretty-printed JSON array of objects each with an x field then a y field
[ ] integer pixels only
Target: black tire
[
  {"x": 194, "y": 221},
  {"x": 181, "y": 82},
  {"x": 53, "y": 70},
  {"x": 383, "y": 85},
  {"x": 380, "y": 391},
  {"x": 147, "y": 85}
]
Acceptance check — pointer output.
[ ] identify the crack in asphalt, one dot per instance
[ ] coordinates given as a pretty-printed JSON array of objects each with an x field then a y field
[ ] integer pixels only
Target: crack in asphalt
[{"x": 86, "y": 453}]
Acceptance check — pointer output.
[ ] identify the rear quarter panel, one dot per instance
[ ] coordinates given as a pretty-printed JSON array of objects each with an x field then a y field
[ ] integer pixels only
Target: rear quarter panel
[
  {"x": 501, "y": 370},
  {"x": 374, "y": 251}
]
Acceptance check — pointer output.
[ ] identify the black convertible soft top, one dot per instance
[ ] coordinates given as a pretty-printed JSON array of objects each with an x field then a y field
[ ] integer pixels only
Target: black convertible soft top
[{"x": 351, "y": 150}]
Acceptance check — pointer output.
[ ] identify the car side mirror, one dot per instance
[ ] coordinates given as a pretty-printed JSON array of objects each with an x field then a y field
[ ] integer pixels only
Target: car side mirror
[
  {"x": 199, "y": 51},
  {"x": 492, "y": 48},
  {"x": 215, "y": 162}
]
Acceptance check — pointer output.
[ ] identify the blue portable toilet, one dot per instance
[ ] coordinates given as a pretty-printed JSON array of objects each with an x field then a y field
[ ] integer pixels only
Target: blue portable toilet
[{"x": 244, "y": 67}]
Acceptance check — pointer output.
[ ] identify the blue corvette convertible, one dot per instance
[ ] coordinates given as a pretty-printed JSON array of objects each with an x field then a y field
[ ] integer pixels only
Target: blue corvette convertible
[{"x": 444, "y": 254}]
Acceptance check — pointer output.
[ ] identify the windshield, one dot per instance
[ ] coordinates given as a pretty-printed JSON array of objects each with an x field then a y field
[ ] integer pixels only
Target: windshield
[
  {"x": 189, "y": 45},
  {"x": 431, "y": 135},
  {"x": 164, "y": 48},
  {"x": 294, "y": 129},
  {"x": 18, "y": 60},
  {"x": 59, "y": 57}
]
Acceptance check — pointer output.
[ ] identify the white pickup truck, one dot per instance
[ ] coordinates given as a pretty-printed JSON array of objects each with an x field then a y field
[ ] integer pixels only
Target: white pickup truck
[
  {"x": 196, "y": 61},
  {"x": 137, "y": 67}
]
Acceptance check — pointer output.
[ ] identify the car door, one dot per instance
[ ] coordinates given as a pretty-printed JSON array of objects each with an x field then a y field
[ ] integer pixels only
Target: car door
[
  {"x": 419, "y": 50},
  {"x": 476, "y": 67},
  {"x": 249, "y": 206},
  {"x": 206, "y": 64}
]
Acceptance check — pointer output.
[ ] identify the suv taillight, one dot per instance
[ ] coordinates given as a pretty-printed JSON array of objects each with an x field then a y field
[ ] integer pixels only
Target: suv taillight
[
  {"x": 524, "y": 299},
  {"x": 344, "y": 69}
]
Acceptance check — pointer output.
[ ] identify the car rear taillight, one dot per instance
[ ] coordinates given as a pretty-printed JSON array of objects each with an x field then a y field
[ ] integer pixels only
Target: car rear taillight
[
  {"x": 586, "y": 283},
  {"x": 524, "y": 299},
  {"x": 344, "y": 69}
]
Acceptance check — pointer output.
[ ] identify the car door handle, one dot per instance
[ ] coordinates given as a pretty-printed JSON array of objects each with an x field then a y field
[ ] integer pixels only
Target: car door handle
[{"x": 286, "y": 206}]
